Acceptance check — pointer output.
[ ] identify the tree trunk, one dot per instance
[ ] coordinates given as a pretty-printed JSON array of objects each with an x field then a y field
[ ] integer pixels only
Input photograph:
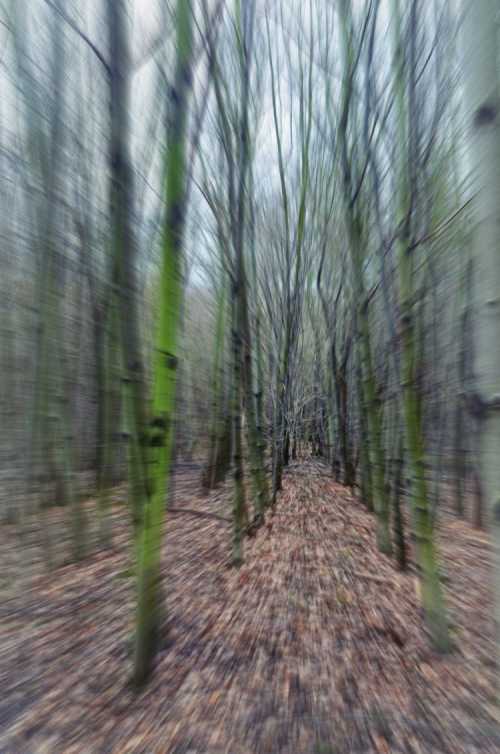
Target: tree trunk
[
  {"x": 480, "y": 39},
  {"x": 209, "y": 473},
  {"x": 157, "y": 435},
  {"x": 432, "y": 596},
  {"x": 399, "y": 534},
  {"x": 240, "y": 518}
]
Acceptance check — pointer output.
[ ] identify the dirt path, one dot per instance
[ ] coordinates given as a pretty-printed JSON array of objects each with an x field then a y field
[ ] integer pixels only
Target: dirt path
[{"x": 315, "y": 646}]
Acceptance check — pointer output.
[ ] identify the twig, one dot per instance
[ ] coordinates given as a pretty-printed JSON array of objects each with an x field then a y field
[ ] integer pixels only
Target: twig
[{"x": 81, "y": 34}]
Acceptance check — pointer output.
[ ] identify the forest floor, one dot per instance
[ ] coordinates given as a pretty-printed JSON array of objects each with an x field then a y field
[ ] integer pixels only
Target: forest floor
[{"x": 315, "y": 645}]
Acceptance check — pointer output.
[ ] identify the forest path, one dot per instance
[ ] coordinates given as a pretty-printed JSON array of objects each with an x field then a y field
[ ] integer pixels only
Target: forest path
[{"x": 314, "y": 646}]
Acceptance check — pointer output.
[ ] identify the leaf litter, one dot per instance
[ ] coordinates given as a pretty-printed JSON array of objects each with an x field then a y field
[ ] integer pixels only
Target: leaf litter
[{"x": 316, "y": 645}]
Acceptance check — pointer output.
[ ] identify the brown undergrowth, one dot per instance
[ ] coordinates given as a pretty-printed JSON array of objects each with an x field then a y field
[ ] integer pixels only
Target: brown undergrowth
[{"x": 315, "y": 645}]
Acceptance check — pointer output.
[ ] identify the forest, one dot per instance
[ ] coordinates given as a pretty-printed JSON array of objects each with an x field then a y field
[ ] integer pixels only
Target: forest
[{"x": 249, "y": 376}]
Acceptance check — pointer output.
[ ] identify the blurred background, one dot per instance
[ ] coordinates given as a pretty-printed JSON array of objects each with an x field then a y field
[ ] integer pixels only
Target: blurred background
[{"x": 249, "y": 376}]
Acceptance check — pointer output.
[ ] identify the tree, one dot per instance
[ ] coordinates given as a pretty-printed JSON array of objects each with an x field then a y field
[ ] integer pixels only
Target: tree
[
  {"x": 157, "y": 440},
  {"x": 480, "y": 48},
  {"x": 353, "y": 177},
  {"x": 405, "y": 83}
]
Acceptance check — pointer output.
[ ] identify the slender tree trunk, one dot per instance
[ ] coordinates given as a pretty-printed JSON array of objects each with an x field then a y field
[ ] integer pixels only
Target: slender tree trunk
[
  {"x": 356, "y": 236},
  {"x": 371, "y": 404},
  {"x": 259, "y": 383},
  {"x": 123, "y": 250},
  {"x": 240, "y": 518},
  {"x": 255, "y": 445},
  {"x": 397, "y": 494},
  {"x": 426, "y": 552},
  {"x": 478, "y": 510},
  {"x": 480, "y": 38},
  {"x": 210, "y": 471},
  {"x": 460, "y": 435},
  {"x": 460, "y": 459},
  {"x": 364, "y": 452},
  {"x": 51, "y": 450},
  {"x": 342, "y": 412},
  {"x": 161, "y": 433},
  {"x": 105, "y": 431},
  {"x": 278, "y": 437},
  {"x": 151, "y": 438},
  {"x": 245, "y": 23}
]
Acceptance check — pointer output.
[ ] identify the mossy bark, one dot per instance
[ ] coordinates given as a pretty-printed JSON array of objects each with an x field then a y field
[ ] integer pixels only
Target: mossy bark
[
  {"x": 158, "y": 438},
  {"x": 423, "y": 523},
  {"x": 371, "y": 403}
]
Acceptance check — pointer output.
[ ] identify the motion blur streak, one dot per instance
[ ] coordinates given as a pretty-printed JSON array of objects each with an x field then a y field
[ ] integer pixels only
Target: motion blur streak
[{"x": 249, "y": 376}]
